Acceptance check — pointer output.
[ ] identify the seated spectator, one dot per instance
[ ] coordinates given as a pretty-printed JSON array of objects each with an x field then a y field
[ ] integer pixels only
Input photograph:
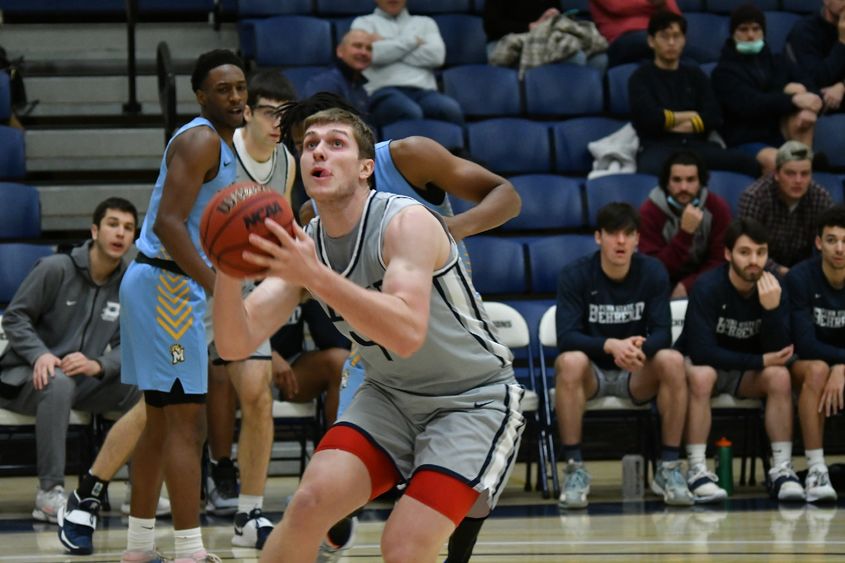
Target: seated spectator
[
  {"x": 623, "y": 23},
  {"x": 683, "y": 223},
  {"x": 673, "y": 106},
  {"x": 346, "y": 79},
  {"x": 763, "y": 100},
  {"x": 401, "y": 81},
  {"x": 528, "y": 34},
  {"x": 817, "y": 44},
  {"x": 817, "y": 296},
  {"x": 737, "y": 340},
  {"x": 788, "y": 203},
  {"x": 614, "y": 337},
  {"x": 64, "y": 344},
  {"x": 300, "y": 374}
]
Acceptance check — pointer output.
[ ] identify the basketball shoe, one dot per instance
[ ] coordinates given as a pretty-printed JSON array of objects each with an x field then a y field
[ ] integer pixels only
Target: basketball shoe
[
  {"x": 251, "y": 530},
  {"x": 48, "y": 503},
  {"x": 576, "y": 486},
  {"x": 817, "y": 485},
  {"x": 201, "y": 556},
  {"x": 222, "y": 487},
  {"x": 331, "y": 552},
  {"x": 137, "y": 556},
  {"x": 77, "y": 521},
  {"x": 784, "y": 484},
  {"x": 702, "y": 485},
  {"x": 669, "y": 483}
]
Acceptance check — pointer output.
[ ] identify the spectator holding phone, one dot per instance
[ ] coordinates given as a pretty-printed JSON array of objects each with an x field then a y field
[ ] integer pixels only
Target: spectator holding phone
[{"x": 683, "y": 222}]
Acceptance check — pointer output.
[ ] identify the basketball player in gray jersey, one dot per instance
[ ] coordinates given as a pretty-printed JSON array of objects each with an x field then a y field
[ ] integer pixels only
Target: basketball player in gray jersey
[
  {"x": 439, "y": 410},
  {"x": 263, "y": 160}
]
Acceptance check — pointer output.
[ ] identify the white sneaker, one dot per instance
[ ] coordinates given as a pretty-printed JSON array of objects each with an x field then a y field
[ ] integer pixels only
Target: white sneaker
[
  {"x": 703, "y": 485},
  {"x": 162, "y": 508},
  {"x": 330, "y": 553},
  {"x": 48, "y": 503},
  {"x": 251, "y": 529},
  {"x": 576, "y": 486},
  {"x": 784, "y": 483},
  {"x": 817, "y": 484},
  {"x": 669, "y": 482}
]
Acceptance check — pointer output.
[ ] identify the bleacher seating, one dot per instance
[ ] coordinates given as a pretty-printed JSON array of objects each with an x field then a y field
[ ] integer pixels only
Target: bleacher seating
[
  {"x": 706, "y": 34},
  {"x": 729, "y": 185},
  {"x": 555, "y": 90},
  {"x": 447, "y": 134},
  {"x": 830, "y": 138},
  {"x": 20, "y": 212},
  {"x": 510, "y": 146},
  {"x": 343, "y": 7},
  {"x": 778, "y": 26},
  {"x": 312, "y": 37},
  {"x": 17, "y": 260},
  {"x": 299, "y": 76},
  {"x": 12, "y": 154},
  {"x": 617, "y": 88},
  {"x": 464, "y": 37},
  {"x": 727, "y": 6},
  {"x": 549, "y": 202},
  {"x": 483, "y": 90},
  {"x": 548, "y": 255},
  {"x": 428, "y": 7},
  {"x": 498, "y": 265},
  {"x": 631, "y": 188},
  {"x": 802, "y": 6},
  {"x": 833, "y": 184},
  {"x": 266, "y": 8},
  {"x": 571, "y": 138},
  {"x": 5, "y": 97}
]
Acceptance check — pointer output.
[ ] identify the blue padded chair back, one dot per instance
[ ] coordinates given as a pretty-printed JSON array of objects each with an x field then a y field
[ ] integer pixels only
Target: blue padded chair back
[
  {"x": 832, "y": 182},
  {"x": 691, "y": 5},
  {"x": 802, "y": 6},
  {"x": 483, "y": 90},
  {"x": 463, "y": 34},
  {"x": 706, "y": 34},
  {"x": 728, "y": 6},
  {"x": 563, "y": 89},
  {"x": 571, "y": 138},
  {"x": 5, "y": 97},
  {"x": 339, "y": 28},
  {"x": 548, "y": 202},
  {"x": 630, "y": 188},
  {"x": 498, "y": 265},
  {"x": 311, "y": 36},
  {"x": 12, "y": 153},
  {"x": 617, "y": 88},
  {"x": 830, "y": 138},
  {"x": 428, "y": 7},
  {"x": 446, "y": 133},
  {"x": 196, "y": 7},
  {"x": 18, "y": 259},
  {"x": 548, "y": 255},
  {"x": 300, "y": 75},
  {"x": 344, "y": 7},
  {"x": 20, "y": 212},
  {"x": 266, "y": 8},
  {"x": 729, "y": 185},
  {"x": 778, "y": 26},
  {"x": 510, "y": 146}
]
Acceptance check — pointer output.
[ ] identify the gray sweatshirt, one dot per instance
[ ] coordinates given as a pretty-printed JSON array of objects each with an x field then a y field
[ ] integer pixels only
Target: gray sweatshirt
[{"x": 59, "y": 309}]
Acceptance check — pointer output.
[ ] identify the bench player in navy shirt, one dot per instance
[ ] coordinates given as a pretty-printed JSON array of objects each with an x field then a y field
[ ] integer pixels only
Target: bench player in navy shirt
[
  {"x": 736, "y": 336},
  {"x": 614, "y": 337},
  {"x": 817, "y": 297}
]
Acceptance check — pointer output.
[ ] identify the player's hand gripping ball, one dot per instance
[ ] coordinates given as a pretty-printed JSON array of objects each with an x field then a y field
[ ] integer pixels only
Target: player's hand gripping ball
[{"x": 232, "y": 215}]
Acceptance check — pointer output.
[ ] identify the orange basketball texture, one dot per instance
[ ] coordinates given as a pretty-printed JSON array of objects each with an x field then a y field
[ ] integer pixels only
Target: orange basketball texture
[{"x": 232, "y": 215}]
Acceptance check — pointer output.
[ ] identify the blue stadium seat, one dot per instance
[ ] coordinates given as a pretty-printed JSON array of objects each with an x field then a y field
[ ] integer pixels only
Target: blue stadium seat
[
  {"x": 266, "y": 8},
  {"x": 299, "y": 76},
  {"x": 463, "y": 34},
  {"x": 630, "y": 188},
  {"x": 450, "y": 135},
  {"x": 20, "y": 213},
  {"x": 706, "y": 34},
  {"x": 617, "y": 88},
  {"x": 183, "y": 6},
  {"x": 548, "y": 255},
  {"x": 563, "y": 90},
  {"x": 5, "y": 97},
  {"x": 12, "y": 154},
  {"x": 498, "y": 265},
  {"x": 339, "y": 28},
  {"x": 727, "y": 6},
  {"x": 691, "y": 5},
  {"x": 571, "y": 138},
  {"x": 833, "y": 183},
  {"x": 17, "y": 259},
  {"x": 549, "y": 201},
  {"x": 70, "y": 7},
  {"x": 344, "y": 7},
  {"x": 483, "y": 90},
  {"x": 312, "y": 37},
  {"x": 729, "y": 185},
  {"x": 428, "y": 7},
  {"x": 830, "y": 138},
  {"x": 510, "y": 146},
  {"x": 778, "y": 26},
  {"x": 802, "y": 6}
]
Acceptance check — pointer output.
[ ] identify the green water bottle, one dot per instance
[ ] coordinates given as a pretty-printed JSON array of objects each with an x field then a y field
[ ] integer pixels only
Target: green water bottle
[{"x": 725, "y": 464}]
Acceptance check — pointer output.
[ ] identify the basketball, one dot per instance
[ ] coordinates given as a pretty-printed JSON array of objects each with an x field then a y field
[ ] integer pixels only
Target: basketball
[{"x": 232, "y": 215}]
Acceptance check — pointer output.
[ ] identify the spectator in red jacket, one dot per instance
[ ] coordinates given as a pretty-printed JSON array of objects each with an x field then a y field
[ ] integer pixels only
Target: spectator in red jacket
[
  {"x": 683, "y": 222},
  {"x": 623, "y": 23}
]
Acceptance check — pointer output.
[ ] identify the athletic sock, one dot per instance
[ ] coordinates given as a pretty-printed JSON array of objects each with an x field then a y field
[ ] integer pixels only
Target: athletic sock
[
  {"x": 246, "y": 503},
  {"x": 696, "y": 454},
  {"x": 572, "y": 452},
  {"x": 781, "y": 453},
  {"x": 669, "y": 453},
  {"x": 463, "y": 539},
  {"x": 142, "y": 535},
  {"x": 814, "y": 457},
  {"x": 188, "y": 542}
]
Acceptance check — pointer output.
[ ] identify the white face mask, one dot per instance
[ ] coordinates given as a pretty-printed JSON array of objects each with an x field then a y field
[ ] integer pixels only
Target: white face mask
[{"x": 749, "y": 47}]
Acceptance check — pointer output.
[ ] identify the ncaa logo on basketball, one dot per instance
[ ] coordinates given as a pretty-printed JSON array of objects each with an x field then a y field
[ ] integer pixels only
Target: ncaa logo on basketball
[{"x": 177, "y": 354}]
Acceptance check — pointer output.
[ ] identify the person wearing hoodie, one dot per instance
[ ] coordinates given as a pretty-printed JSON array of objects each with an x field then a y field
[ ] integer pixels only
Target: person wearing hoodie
[
  {"x": 64, "y": 344},
  {"x": 764, "y": 102}
]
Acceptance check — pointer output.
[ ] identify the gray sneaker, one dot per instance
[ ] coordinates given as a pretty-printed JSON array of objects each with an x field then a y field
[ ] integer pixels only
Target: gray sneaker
[
  {"x": 576, "y": 486},
  {"x": 669, "y": 482},
  {"x": 330, "y": 553},
  {"x": 48, "y": 503}
]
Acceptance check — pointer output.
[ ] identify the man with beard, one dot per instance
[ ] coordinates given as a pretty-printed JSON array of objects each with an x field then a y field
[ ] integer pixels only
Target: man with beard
[
  {"x": 736, "y": 337},
  {"x": 817, "y": 297}
]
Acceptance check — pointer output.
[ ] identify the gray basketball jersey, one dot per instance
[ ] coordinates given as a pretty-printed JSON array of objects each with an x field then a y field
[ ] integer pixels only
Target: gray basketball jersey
[
  {"x": 460, "y": 352},
  {"x": 281, "y": 169}
]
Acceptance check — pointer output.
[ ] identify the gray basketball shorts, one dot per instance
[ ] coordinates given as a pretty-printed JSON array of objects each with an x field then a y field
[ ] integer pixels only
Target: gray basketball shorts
[
  {"x": 262, "y": 353},
  {"x": 728, "y": 381},
  {"x": 473, "y": 436},
  {"x": 612, "y": 383}
]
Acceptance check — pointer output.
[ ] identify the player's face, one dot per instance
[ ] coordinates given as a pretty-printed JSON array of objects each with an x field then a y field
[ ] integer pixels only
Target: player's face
[
  {"x": 794, "y": 179},
  {"x": 115, "y": 233},
  {"x": 668, "y": 44},
  {"x": 683, "y": 183},
  {"x": 262, "y": 123},
  {"x": 223, "y": 95},
  {"x": 329, "y": 162},
  {"x": 392, "y": 7},
  {"x": 748, "y": 31},
  {"x": 832, "y": 246},
  {"x": 617, "y": 247},
  {"x": 748, "y": 258},
  {"x": 356, "y": 50}
]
